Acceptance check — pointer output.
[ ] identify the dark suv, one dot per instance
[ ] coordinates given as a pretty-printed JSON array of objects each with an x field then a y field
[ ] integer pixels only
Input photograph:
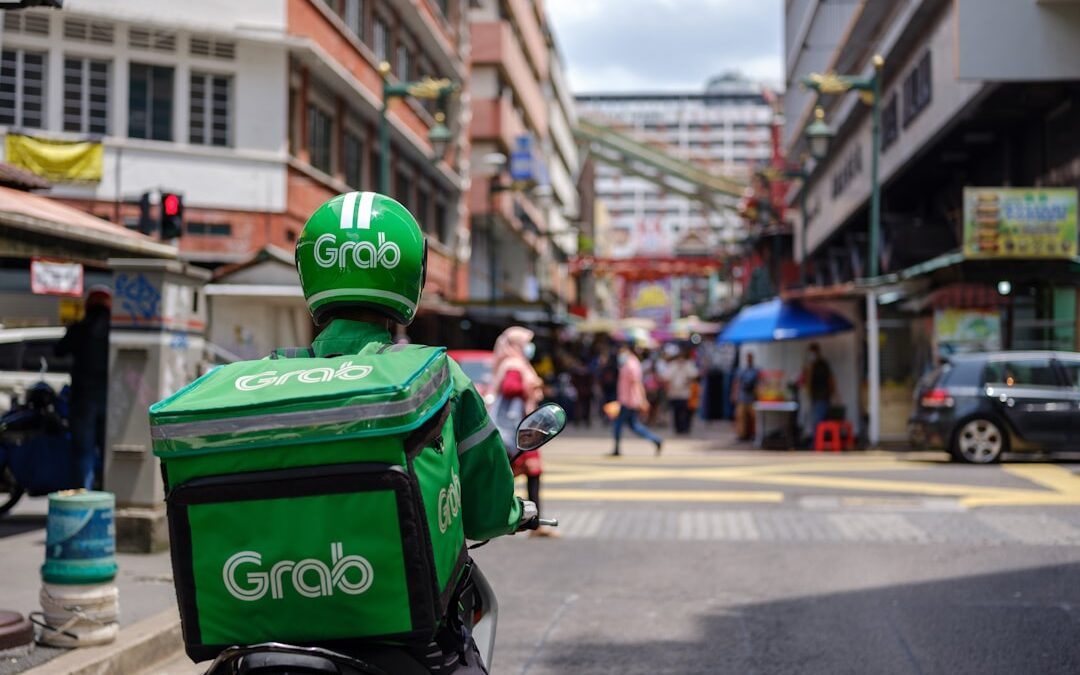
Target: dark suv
[{"x": 978, "y": 406}]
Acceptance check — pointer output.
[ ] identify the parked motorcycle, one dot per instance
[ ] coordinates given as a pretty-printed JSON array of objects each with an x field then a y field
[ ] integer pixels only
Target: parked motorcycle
[
  {"x": 35, "y": 446},
  {"x": 274, "y": 658}
]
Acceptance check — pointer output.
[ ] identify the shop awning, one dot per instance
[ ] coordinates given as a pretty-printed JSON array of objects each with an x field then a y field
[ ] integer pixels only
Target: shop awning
[
  {"x": 779, "y": 320},
  {"x": 35, "y": 225},
  {"x": 956, "y": 266}
]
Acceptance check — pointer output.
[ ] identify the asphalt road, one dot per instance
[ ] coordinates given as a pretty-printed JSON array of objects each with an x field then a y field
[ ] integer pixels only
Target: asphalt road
[{"x": 721, "y": 561}]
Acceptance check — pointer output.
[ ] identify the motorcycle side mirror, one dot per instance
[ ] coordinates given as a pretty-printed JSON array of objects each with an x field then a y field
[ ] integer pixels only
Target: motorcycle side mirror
[{"x": 540, "y": 426}]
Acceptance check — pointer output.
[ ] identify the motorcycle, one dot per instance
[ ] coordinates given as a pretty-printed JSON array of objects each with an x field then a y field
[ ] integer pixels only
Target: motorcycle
[
  {"x": 275, "y": 658},
  {"x": 35, "y": 446}
]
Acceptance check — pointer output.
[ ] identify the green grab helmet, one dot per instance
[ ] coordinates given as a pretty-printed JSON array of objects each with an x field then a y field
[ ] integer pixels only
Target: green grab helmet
[{"x": 362, "y": 250}]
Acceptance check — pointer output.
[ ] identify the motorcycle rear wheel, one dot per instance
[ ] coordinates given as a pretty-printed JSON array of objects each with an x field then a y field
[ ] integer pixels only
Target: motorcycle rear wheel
[{"x": 10, "y": 490}]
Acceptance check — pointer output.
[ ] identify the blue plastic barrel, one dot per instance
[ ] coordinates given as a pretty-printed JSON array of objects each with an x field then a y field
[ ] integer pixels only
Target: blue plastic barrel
[{"x": 80, "y": 541}]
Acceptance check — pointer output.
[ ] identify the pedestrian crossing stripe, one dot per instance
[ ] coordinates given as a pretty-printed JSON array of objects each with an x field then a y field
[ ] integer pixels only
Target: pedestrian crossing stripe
[{"x": 573, "y": 480}]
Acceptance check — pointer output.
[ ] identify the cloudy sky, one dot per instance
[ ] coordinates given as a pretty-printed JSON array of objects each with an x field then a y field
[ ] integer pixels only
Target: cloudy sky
[{"x": 622, "y": 45}]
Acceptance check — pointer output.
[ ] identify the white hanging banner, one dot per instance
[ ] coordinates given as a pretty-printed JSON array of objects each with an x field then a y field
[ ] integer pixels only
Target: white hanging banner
[{"x": 56, "y": 278}]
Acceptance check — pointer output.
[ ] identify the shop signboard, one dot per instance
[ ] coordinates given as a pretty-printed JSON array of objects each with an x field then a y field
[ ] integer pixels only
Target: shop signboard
[
  {"x": 962, "y": 331},
  {"x": 1020, "y": 222},
  {"x": 49, "y": 277},
  {"x": 652, "y": 300}
]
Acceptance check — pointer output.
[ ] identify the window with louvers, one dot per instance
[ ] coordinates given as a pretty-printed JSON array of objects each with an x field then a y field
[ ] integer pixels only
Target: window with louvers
[
  {"x": 22, "y": 88},
  {"x": 320, "y": 129},
  {"x": 381, "y": 40},
  {"x": 86, "y": 96},
  {"x": 209, "y": 109},
  {"x": 353, "y": 157},
  {"x": 150, "y": 96}
]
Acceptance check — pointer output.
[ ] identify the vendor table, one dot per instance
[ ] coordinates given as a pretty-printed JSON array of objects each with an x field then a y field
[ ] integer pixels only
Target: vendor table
[{"x": 782, "y": 414}]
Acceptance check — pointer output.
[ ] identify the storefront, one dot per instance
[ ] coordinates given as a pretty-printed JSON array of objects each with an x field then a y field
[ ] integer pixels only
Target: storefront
[{"x": 50, "y": 253}]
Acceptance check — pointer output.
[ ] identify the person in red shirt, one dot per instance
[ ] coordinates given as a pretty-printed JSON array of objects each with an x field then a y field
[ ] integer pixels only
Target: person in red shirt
[
  {"x": 631, "y": 397},
  {"x": 519, "y": 391}
]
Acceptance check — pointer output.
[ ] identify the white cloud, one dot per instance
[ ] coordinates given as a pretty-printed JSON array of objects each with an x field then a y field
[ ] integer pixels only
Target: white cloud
[{"x": 612, "y": 45}]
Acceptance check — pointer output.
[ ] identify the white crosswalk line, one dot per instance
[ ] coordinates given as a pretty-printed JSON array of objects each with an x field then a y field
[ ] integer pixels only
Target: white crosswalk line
[
  {"x": 1035, "y": 529},
  {"x": 782, "y": 525}
]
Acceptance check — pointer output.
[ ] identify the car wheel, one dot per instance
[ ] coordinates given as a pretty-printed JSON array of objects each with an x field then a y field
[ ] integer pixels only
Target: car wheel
[
  {"x": 10, "y": 490},
  {"x": 980, "y": 441}
]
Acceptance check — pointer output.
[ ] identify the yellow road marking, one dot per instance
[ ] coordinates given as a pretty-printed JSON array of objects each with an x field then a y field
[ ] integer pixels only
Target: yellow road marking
[
  {"x": 876, "y": 485},
  {"x": 728, "y": 496},
  {"x": 1051, "y": 485},
  {"x": 1049, "y": 476}
]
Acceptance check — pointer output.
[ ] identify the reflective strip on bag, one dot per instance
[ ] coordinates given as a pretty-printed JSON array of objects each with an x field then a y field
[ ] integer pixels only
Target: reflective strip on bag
[
  {"x": 476, "y": 438},
  {"x": 364, "y": 412}
]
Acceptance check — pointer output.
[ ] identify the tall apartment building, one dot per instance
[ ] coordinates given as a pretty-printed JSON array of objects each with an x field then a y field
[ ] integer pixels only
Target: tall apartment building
[
  {"x": 255, "y": 111},
  {"x": 522, "y": 208},
  {"x": 724, "y": 128}
]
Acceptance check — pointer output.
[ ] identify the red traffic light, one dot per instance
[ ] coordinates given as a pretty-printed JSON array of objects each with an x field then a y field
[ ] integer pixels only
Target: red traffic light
[{"x": 171, "y": 205}]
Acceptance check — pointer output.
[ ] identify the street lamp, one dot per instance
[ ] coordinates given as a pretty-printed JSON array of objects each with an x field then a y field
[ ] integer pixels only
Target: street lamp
[
  {"x": 819, "y": 135},
  {"x": 428, "y": 88}
]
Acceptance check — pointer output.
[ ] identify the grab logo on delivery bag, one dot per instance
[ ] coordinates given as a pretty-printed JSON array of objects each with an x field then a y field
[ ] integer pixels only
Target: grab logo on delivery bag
[
  {"x": 449, "y": 504},
  {"x": 247, "y": 578},
  {"x": 271, "y": 378}
]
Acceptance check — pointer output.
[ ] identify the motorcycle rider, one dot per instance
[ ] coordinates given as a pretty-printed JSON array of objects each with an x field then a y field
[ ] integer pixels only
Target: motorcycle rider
[{"x": 362, "y": 262}]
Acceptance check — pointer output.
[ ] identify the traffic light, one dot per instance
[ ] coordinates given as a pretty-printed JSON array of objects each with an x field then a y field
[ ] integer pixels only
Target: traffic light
[
  {"x": 147, "y": 224},
  {"x": 172, "y": 215}
]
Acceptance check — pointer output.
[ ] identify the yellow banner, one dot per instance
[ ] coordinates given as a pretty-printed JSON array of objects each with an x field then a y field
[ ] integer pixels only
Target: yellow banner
[{"x": 57, "y": 161}]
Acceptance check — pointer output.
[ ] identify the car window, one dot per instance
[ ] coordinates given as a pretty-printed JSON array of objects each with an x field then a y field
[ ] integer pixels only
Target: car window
[
  {"x": 1037, "y": 372},
  {"x": 9, "y": 355},
  {"x": 966, "y": 373},
  {"x": 928, "y": 380},
  {"x": 477, "y": 371},
  {"x": 35, "y": 350},
  {"x": 1072, "y": 369}
]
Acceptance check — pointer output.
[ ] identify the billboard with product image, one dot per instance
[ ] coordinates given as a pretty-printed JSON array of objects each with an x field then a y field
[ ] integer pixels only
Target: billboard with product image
[{"x": 1020, "y": 222}]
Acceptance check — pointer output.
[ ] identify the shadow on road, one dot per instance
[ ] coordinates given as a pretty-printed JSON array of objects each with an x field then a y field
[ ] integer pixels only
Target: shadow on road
[
  {"x": 1015, "y": 622},
  {"x": 12, "y": 525}
]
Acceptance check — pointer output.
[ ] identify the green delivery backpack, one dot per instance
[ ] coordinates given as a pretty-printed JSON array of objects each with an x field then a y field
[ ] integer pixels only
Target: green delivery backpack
[{"x": 313, "y": 500}]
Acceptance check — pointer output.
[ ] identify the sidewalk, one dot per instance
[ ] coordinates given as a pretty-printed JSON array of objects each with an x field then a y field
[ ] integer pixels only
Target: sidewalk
[{"x": 144, "y": 581}]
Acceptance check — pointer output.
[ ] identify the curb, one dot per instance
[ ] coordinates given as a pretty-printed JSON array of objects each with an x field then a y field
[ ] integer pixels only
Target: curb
[{"x": 142, "y": 644}]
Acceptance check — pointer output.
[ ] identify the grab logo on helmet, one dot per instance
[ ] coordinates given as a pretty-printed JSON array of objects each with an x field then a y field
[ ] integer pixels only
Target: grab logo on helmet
[{"x": 364, "y": 255}]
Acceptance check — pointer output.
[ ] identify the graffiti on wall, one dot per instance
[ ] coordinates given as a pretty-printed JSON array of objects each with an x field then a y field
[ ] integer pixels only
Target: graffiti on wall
[{"x": 136, "y": 298}]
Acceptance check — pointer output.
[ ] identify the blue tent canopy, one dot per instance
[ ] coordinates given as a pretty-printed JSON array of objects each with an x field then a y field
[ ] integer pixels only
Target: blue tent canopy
[{"x": 778, "y": 320}]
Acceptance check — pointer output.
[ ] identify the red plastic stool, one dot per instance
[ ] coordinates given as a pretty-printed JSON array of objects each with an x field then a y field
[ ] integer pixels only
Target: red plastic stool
[{"x": 835, "y": 435}]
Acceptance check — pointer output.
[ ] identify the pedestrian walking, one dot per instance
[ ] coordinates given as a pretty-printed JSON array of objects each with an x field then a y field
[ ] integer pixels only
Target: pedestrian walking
[
  {"x": 87, "y": 341},
  {"x": 820, "y": 386},
  {"x": 743, "y": 395},
  {"x": 682, "y": 374},
  {"x": 654, "y": 372},
  {"x": 519, "y": 390},
  {"x": 632, "y": 401},
  {"x": 584, "y": 383}
]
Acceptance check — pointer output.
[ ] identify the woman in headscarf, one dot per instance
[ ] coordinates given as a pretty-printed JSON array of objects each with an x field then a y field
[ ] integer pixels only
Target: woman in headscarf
[{"x": 519, "y": 391}]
